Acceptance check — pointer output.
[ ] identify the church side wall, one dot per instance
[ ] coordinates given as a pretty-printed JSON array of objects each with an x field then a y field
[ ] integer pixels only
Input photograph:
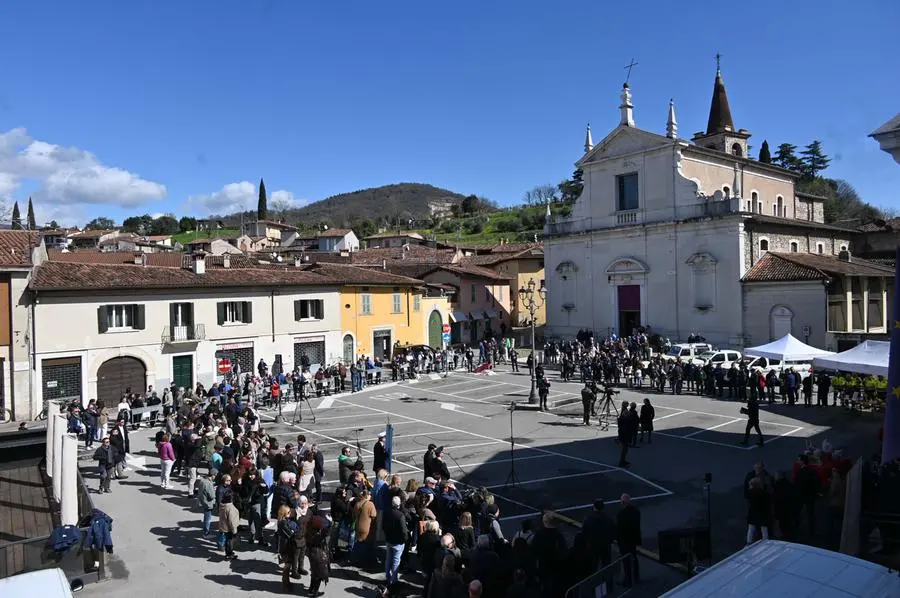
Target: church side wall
[
  {"x": 805, "y": 300},
  {"x": 780, "y": 241},
  {"x": 716, "y": 176}
]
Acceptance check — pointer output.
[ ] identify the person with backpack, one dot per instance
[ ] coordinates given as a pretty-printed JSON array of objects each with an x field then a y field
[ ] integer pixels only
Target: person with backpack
[{"x": 286, "y": 533}]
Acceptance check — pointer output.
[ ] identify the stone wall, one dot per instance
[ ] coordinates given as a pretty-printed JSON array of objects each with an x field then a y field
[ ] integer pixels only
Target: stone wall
[
  {"x": 806, "y": 301},
  {"x": 807, "y": 242}
]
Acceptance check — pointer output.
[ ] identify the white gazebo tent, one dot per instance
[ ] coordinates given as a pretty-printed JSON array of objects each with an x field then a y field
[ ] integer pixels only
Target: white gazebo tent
[
  {"x": 869, "y": 357},
  {"x": 787, "y": 348}
]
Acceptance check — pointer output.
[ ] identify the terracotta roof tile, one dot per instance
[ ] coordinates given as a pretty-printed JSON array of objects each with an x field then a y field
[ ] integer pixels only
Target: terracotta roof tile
[
  {"x": 335, "y": 232},
  {"x": 90, "y": 234},
  {"x": 16, "y": 247},
  {"x": 785, "y": 267},
  {"x": 363, "y": 276}
]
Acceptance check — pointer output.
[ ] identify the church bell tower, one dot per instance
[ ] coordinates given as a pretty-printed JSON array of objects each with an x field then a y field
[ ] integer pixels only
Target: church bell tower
[{"x": 720, "y": 133}]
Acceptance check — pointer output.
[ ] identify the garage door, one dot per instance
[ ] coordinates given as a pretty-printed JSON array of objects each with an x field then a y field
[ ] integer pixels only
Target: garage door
[
  {"x": 61, "y": 378},
  {"x": 315, "y": 350},
  {"x": 117, "y": 376}
]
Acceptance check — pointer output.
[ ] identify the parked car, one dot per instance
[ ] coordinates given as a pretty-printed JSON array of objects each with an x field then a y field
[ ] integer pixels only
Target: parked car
[
  {"x": 687, "y": 351},
  {"x": 766, "y": 364},
  {"x": 725, "y": 358},
  {"x": 46, "y": 583}
]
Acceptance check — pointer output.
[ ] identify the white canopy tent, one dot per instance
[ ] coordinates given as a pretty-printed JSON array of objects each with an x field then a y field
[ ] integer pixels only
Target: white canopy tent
[
  {"x": 869, "y": 357},
  {"x": 787, "y": 348}
]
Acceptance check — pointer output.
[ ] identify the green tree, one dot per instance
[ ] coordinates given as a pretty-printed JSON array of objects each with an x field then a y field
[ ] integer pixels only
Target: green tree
[
  {"x": 139, "y": 225},
  {"x": 470, "y": 204},
  {"x": 764, "y": 155},
  {"x": 814, "y": 159},
  {"x": 262, "y": 209},
  {"x": 786, "y": 157},
  {"x": 100, "y": 223},
  {"x": 16, "y": 217},
  {"x": 32, "y": 225},
  {"x": 52, "y": 225},
  {"x": 187, "y": 224},
  {"x": 164, "y": 225},
  {"x": 570, "y": 189}
]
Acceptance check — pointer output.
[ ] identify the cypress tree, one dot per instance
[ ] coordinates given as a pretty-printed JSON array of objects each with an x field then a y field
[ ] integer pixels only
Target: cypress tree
[
  {"x": 764, "y": 155},
  {"x": 16, "y": 217},
  {"x": 32, "y": 225},
  {"x": 262, "y": 209}
]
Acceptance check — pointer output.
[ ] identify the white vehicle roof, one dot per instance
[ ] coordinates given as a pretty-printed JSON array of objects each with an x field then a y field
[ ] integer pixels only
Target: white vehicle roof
[
  {"x": 774, "y": 569},
  {"x": 46, "y": 583}
]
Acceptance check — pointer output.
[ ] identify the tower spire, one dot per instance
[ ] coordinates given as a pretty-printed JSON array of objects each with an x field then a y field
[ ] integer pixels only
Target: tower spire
[
  {"x": 671, "y": 123},
  {"x": 719, "y": 112},
  {"x": 588, "y": 141},
  {"x": 626, "y": 109}
]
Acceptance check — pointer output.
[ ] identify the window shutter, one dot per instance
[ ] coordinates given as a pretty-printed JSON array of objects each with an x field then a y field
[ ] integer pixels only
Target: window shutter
[
  {"x": 248, "y": 312},
  {"x": 172, "y": 320},
  {"x": 102, "y": 319},
  {"x": 297, "y": 311},
  {"x": 138, "y": 317},
  {"x": 220, "y": 313},
  {"x": 320, "y": 309}
]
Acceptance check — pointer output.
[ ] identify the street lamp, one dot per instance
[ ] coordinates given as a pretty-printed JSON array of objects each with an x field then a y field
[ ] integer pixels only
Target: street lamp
[{"x": 531, "y": 303}]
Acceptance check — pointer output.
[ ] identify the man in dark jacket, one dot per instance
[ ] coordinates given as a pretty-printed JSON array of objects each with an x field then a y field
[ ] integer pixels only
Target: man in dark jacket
[
  {"x": 428, "y": 461},
  {"x": 624, "y": 434},
  {"x": 600, "y": 531},
  {"x": 752, "y": 413},
  {"x": 807, "y": 485},
  {"x": 107, "y": 456},
  {"x": 318, "y": 470},
  {"x": 628, "y": 536},
  {"x": 380, "y": 459},
  {"x": 395, "y": 535},
  {"x": 549, "y": 546}
]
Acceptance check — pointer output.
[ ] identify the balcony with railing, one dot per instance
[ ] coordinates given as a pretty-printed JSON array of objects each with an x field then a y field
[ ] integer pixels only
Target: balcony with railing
[
  {"x": 183, "y": 334},
  {"x": 623, "y": 218}
]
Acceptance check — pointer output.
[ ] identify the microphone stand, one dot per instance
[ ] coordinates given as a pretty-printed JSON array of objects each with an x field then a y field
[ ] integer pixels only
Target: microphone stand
[{"x": 512, "y": 480}]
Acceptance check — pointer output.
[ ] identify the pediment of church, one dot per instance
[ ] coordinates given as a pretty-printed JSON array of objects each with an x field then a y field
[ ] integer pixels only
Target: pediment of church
[
  {"x": 627, "y": 265},
  {"x": 623, "y": 141}
]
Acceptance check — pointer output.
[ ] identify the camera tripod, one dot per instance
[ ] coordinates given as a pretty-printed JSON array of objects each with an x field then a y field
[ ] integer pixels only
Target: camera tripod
[
  {"x": 607, "y": 408},
  {"x": 298, "y": 410},
  {"x": 512, "y": 480}
]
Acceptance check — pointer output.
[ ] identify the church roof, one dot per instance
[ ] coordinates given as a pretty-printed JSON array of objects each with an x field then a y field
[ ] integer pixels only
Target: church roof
[
  {"x": 719, "y": 112},
  {"x": 789, "y": 267}
]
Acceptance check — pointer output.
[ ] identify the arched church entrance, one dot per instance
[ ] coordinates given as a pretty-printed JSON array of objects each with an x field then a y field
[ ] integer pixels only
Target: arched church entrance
[
  {"x": 118, "y": 374},
  {"x": 435, "y": 329}
]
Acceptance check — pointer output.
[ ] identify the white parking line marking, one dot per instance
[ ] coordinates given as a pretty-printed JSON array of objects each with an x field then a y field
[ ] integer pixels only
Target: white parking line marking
[
  {"x": 719, "y": 415},
  {"x": 710, "y": 429},
  {"x": 326, "y": 403},
  {"x": 543, "y": 450},
  {"x": 455, "y": 409}
]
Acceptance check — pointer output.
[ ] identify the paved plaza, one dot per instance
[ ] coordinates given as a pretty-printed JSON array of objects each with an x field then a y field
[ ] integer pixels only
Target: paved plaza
[{"x": 559, "y": 464}]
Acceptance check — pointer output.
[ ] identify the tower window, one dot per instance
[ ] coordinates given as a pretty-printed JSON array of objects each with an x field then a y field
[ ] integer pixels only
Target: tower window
[
  {"x": 779, "y": 207},
  {"x": 727, "y": 191},
  {"x": 736, "y": 150},
  {"x": 794, "y": 246},
  {"x": 820, "y": 248},
  {"x": 763, "y": 245}
]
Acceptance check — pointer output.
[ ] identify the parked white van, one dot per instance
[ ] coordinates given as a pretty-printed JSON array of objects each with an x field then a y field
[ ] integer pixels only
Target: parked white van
[
  {"x": 687, "y": 351},
  {"x": 46, "y": 583},
  {"x": 766, "y": 364},
  {"x": 774, "y": 568},
  {"x": 714, "y": 358}
]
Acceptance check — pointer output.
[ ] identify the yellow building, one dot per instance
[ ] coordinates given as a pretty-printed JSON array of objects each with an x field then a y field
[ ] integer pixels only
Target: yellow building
[
  {"x": 380, "y": 310},
  {"x": 520, "y": 262}
]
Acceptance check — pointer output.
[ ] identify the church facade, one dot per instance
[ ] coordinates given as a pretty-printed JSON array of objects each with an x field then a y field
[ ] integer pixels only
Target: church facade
[{"x": 665, "y": 229}]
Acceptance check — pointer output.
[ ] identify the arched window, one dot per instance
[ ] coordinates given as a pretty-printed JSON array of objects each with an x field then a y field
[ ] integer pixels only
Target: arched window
[
  {"x": 774, "y": 210},
  {"x": 727, "y": 191},
  {"x": 794, "y": 246},
  {"x": 763, "y": 245},
  {"x": 348, "y": 348},
  {"x": 736, "y": 150},
  {"x": 779, "y": 201},
  {"x": 820, "y": 248},
  {"x": 755, "y": 204},
  {"x": 843, "y": 248}
]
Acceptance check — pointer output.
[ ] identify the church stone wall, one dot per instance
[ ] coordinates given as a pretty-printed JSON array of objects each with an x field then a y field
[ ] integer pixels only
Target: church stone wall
[
  {"x": 781, "y": 241},
  {"x": 805, "y": 300}
]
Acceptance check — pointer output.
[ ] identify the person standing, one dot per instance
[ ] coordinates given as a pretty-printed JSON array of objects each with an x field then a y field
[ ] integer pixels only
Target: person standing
[
  {"x": 752, "y": 413},
  {"x": 823, "y": 385},
  {"x": 635, "y": 421},
  {"x": 206, "y": 500},
  {"x": 759, "y": 510},
  {"x": 807, "y": 384},
  {"x": 106, "y": 457},
  {"x": 624, "y": 434},
  {"x": 587, "y": 399},
  {"x": 648, "y": 413},
  {"x": 543, "y": 392},
  {"x": 229, "y": 518},
  {"x": 396, "y": 533},
  {"x": 380, "y": 457},
  {"x": 628, "y": 536},
  {"x": 166, "y": 459}
]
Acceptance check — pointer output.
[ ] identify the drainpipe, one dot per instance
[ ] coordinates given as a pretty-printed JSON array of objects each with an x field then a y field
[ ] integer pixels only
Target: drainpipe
[
  {"x": 33, "y": 368},
  {"x": 272, "y": 311}
]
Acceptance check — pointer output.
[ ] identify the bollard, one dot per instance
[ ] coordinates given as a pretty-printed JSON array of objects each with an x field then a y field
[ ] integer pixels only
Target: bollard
[
  {"x": 69, "y": 482},
  {"x": 59, "y": 430},
  {"x": 48, "y": 460}
]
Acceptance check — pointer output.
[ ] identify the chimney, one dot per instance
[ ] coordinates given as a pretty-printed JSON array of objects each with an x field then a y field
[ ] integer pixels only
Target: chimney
[
  {"x": 139, "y": 259},
  {"x": 845, "y": 256},
  {"x": 226, "y": 261},
  {"x": 199, "y": 263},
  {"x": 144, "y": 259}
]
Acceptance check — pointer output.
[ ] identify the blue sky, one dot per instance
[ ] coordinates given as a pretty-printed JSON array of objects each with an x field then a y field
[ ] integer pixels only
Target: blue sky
[{"x": 115, "y": 108}]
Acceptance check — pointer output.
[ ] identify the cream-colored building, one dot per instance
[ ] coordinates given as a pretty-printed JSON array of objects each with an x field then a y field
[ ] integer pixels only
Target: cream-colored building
[{"x": 101, "y": 328}]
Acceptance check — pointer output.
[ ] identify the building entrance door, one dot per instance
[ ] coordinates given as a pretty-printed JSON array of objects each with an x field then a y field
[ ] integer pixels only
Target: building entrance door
[
  {"x": 629, "y": 305},
  {"x": 183, "y": 371},
  {"x": 382, "y": 344}
]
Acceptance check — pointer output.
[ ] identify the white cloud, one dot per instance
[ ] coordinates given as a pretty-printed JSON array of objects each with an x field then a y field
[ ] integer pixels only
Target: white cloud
[
  {"x": 68, "y": 176},
  {"x": 237, "y": 197}
]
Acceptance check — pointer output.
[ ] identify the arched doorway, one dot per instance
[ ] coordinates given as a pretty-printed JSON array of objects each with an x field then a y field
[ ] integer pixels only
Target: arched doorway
[
  {"x": 435, "y": 329},
  {"x": 782, "y": 320},
  {"x": 118, "y": 374},
  {"x": 348, "y": 349}
]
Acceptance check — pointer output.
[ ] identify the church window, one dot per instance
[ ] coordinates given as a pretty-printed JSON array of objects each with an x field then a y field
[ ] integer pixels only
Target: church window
[
  {"x": 736, "y": 150},
  {"x": 794, "y": 246},
  {"x": 627, "y": 192},
  {"x": 749, "y": 205},
  {"x": 843, "y": 248},
  {"x": 820, "y": 248},
  {"x": 763, "y": 245},
  {"x": 774, "y": 210},
  {"x": 779, "y": 201},
  {"x": 726, "y": 191},
  {"x": 755, "y": 204}
]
